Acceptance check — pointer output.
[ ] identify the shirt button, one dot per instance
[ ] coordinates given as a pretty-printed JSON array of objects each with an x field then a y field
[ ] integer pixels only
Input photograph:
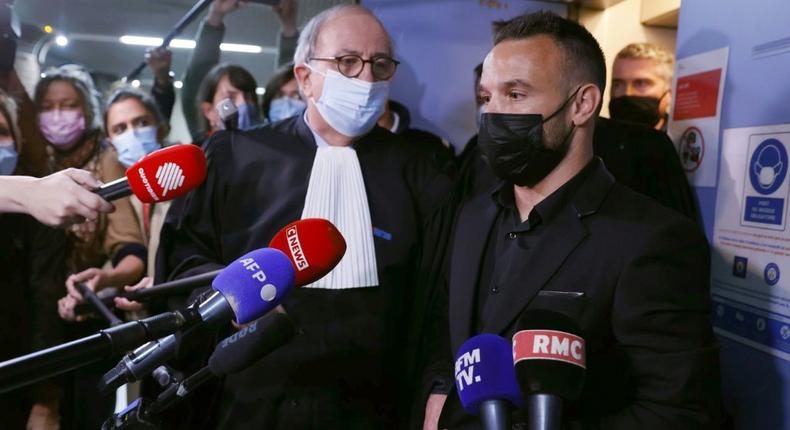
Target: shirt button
[
  {"x": 294, "y": 403},
  {"x": 494, "y": 290},
  {"x": 511, "y": 235}
]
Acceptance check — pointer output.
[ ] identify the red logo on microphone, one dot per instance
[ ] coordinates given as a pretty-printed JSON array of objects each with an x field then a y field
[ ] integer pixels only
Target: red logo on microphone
[{"x": 548, "y": 345}]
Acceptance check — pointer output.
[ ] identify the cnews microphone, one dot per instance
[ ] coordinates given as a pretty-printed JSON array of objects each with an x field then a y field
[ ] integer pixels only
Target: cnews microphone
[
  {"x": 550, "y": 361},
  {"x": 314, "y": 245},
  {"x": 234, "y": 354},
  {"x": 245, "y": 290},
  {"x": 162, "y": 175},
  {"x": 43, "y": 364},
  {"x": 486, "y": 381}
]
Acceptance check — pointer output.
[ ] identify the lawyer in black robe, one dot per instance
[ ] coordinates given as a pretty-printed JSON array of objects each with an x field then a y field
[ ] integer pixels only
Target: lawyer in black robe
[{"x": 346, "y": 366}]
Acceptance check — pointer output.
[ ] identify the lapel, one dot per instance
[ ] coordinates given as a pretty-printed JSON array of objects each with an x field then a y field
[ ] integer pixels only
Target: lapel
[
  {"x": 559, "y": 240},
  {"x": 469, "y": 243}
]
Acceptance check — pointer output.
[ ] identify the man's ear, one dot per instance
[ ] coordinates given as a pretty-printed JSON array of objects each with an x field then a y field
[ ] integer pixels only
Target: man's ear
[
  {"x": 585, "y": 104},
  {"x": 302, "y": 74}
]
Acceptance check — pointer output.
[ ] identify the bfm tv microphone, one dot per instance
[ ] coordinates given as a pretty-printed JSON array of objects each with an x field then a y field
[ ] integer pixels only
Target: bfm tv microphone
[
  {"x": 162, "y": 175},
  {"x": 486, "y": 380},
  {"x": 245, "y": 290},
  {"x": 550, "y": 361}
]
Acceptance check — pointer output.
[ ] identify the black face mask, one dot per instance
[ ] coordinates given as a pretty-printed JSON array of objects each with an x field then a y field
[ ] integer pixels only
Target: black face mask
[
  {"x": 641, "y": 110},
  {"x": 512, "y": 144}
]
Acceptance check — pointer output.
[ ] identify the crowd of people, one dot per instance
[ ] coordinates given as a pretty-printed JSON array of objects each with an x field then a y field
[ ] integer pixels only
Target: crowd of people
[{"x": 461, "y": 242}]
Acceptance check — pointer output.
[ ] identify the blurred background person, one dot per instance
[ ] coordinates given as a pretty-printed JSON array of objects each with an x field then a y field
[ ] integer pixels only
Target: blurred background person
[
  {"x": 100, "y": 253},
  {"x": 281, "y": 98},
  {"x": 642, "y": 85},
  {"x": 32, "y": 261},
  {"x": 207, "y": 82}
]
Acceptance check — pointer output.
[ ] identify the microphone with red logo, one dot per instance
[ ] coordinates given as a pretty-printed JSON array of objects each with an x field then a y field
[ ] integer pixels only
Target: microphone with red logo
[
  {"x": 550, "y": 362},
  {"x": 486, "y": 381},
  {"x": 162, "y": 175},
  {"x": 314, "y": 245}
]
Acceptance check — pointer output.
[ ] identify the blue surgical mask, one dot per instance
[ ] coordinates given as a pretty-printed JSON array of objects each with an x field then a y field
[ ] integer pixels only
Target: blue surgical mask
[
  {"x": 8, "y": 157},
  {"x": 285, "y": 107},
  {"x": 351, "y": 106},
  {"x": 136, "y": 143},
  {"x": 248, "y": 116}
]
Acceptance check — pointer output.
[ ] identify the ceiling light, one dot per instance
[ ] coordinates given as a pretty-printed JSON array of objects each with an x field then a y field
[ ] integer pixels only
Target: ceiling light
[{"x": 62, "y": 40}]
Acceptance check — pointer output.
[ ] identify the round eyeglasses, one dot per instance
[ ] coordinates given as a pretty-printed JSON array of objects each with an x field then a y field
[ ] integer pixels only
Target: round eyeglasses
[{"x": 351, "y": 66}]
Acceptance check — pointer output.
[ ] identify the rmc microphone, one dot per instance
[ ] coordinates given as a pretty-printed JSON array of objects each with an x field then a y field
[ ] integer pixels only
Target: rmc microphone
[
  {"x": 486, "y": 380},
  {"x": 245, "y": 290},
  {"x": 550, "y": 361},
  {"x": 162, "y": 175}
]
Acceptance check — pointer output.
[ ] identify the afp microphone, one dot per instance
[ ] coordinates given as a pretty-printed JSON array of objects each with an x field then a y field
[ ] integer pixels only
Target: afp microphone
[
  {"x": 314, "y": 246},
  {"x": 162, "y": 175},
  {"x": 550, "y": 361},
  {"x": 486, "y": 381},
  {"x": 245, "y": 290}
]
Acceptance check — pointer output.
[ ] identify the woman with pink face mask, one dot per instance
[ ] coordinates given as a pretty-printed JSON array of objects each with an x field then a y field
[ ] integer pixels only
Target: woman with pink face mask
[{"x": 109, "y": 251}]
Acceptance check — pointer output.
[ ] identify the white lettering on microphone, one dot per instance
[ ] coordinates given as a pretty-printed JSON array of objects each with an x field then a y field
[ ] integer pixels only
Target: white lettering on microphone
[
  {"x": 147, "y": 185},
  {"x": 548, "y": 345},
  {"x": 465, "y": 369},
  {"x": 268, "y": 291},
  {"x": 296, "y": 249}
]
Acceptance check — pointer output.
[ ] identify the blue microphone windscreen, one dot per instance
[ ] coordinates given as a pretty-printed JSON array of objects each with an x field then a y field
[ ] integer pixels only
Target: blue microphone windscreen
[
  {"x": 484, "y": 371},
  {"x": 255, "y": 283}
]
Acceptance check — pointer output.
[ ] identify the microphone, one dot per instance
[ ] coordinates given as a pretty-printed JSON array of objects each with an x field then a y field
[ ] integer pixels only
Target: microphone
[
  {"x": 229, "y": 114},
  {"x": 314, "y": 246},
  {"x": 550, "y": 362},
  {"x": 486, "y": 380},
  {"x": 246, "y": 289},
  {"x": 234, "y": 354},
  {"x": 162, "y": 175},
  {"x": 62, "y": 358}
]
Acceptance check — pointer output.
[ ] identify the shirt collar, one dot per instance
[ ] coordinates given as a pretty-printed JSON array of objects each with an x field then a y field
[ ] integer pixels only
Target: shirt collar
[
  {"x": 319, "y": 141},
  {"x": 395, "y": 122},
  {"x": 549, "y": 207}
]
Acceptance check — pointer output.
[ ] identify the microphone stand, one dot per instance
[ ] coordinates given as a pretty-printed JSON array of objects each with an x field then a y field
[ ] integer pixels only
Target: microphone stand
[{"x": 179, "y": 27}]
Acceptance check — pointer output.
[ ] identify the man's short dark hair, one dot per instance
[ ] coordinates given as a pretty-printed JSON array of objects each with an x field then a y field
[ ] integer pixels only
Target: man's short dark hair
[{"x": 583, "y": 56}]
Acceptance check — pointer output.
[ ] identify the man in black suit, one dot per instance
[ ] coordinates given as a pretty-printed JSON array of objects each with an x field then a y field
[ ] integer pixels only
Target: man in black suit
[{"x": 559, "y": 225}]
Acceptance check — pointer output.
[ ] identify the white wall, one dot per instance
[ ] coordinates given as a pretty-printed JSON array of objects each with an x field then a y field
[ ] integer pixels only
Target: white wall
[{"x": 618, "y": 26}]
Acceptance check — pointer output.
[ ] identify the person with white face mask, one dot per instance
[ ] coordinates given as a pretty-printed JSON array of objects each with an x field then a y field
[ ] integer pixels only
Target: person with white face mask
[{"x": 332, "y": 161}]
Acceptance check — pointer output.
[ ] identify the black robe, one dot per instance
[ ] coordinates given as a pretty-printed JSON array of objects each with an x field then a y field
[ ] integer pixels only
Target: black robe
[{"x": 346, "y": 368}]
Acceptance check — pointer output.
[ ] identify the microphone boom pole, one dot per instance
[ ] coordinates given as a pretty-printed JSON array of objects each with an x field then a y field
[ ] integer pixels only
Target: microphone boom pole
[{"x": 179, "y": 27}]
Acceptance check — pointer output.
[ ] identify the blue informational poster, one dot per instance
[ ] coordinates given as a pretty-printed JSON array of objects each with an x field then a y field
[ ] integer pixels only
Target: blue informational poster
[{"x": 751, "y": 239}]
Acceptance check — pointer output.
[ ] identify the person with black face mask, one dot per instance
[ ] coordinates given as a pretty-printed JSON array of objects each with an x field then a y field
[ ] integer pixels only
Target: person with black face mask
[
  {"x": 558, "y": 225},
  {"x": 641, "y": 85}
]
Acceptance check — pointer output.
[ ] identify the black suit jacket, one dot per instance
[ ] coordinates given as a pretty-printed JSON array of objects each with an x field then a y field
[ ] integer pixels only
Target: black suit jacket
[{"x": 644, "y": 271}]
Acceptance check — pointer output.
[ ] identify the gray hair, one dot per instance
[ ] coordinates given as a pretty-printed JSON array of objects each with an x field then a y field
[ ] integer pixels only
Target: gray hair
[
  {"x": 78, "y": 77},
  {"x": 309, "y": 35}
]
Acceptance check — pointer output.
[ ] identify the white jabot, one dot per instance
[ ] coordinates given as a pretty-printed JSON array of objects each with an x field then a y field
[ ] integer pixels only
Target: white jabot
[{"x": 336, "y": 192}]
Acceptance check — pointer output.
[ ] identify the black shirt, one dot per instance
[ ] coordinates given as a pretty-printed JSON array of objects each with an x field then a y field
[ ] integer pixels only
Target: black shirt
[{"x": 512, "y": 242}]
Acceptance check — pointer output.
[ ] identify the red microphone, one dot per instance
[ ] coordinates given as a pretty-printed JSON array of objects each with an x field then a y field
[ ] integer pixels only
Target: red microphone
[
  {"x": 313, "y": 245},
  {"x": 162, "y": 175}
]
